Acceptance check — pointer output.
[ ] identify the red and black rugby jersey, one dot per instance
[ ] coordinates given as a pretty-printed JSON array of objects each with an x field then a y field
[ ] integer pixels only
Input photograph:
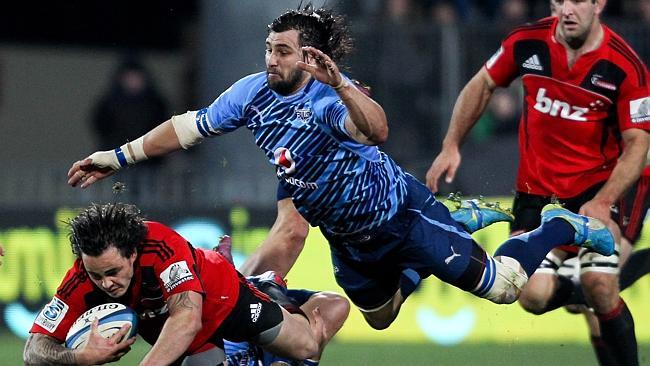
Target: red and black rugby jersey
[
  {"x": 166, "y": 264},
  {"x": 569, "y": 133}
]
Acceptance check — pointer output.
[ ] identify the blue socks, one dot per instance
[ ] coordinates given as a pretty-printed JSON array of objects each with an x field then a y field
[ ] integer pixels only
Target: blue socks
[{"x": 530, "y": 248}]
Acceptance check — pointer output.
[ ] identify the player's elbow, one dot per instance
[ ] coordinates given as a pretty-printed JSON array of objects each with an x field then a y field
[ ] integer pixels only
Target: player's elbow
[
  {"x": 380, "y": 136},
  {"x": 293, "y": 232},
  {"x": 377, "y": 134},
  {"x": 188, "y": 325},
  {"x": 194, "y": 325},
  {"x": 296, "y": 235}
]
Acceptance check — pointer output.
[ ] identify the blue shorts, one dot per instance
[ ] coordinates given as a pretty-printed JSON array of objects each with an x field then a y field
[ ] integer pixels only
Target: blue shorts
[{"x": 421, "y": 236}]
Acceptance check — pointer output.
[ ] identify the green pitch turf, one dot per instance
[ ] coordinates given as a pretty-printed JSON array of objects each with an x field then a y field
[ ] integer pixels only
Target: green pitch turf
[{"x": 387, "y": 354}]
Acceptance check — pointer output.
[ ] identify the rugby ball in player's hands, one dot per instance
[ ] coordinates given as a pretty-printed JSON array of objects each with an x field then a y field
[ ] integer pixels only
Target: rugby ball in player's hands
[{"x": 112, "y": 317}]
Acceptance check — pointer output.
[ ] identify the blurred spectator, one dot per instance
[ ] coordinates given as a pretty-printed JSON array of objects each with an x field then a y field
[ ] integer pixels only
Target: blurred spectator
[
  {"x": 501, "y": 117},
  {"x": 131, "y": 106},
  {"x": 644, "y": 11},
  {"x": 449, "y": 11},
  {"x": 402, "y": 11},
  {"x": 403, "y": 80},
  {"x": 513, "y": 13},
  {"x": 360, "y": 9},
  {"x": 444, "y": 12}
]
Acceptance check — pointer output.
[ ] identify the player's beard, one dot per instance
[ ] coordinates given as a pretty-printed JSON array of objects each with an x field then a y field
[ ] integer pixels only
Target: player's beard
[
  {"x": 286, "y": 87},
  {"x": 577, "y": 40}
]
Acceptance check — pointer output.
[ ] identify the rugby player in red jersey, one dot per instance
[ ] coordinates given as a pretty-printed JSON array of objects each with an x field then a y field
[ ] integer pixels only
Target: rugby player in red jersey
[
  {"x": 582, "y": 139},
  {"x": 188, "y": 299}
]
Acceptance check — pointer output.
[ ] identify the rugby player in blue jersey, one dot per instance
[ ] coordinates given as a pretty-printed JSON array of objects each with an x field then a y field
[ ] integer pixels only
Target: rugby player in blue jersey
[{"x": 386, "y": 230}]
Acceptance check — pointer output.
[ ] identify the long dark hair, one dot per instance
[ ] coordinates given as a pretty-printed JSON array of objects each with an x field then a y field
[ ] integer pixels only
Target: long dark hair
[
  {"x": 101, "y": 226},
  {"x": 319, "y": 28}
]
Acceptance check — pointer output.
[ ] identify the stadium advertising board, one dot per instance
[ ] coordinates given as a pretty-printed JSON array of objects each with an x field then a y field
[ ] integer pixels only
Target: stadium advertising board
[{"x": 38, "y": 254}]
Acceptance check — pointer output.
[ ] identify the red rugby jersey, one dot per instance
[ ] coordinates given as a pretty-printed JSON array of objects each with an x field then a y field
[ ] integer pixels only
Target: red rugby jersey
[
  {"x": 167, "y": 264},
  {"x": 569, "y": 132}
]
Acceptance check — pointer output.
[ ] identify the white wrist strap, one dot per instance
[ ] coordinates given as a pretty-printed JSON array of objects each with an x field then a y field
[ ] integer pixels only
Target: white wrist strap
[{"x": 131, "y": 152}]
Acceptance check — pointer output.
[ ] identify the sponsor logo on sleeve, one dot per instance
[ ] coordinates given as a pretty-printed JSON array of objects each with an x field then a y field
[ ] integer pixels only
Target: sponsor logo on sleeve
[
  {"x": 52, "y": 314},
  {"x": 494, "y": 58},
  {"x": 176, "y": 274},
  {"x": 640, "y": 110}
]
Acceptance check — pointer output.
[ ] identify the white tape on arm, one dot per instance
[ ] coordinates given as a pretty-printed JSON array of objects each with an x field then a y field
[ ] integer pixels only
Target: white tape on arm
[
  {"x": 103, "y": 159},
  {"x": 134, "y": 151},
  {"x": 186, "y": 130}
]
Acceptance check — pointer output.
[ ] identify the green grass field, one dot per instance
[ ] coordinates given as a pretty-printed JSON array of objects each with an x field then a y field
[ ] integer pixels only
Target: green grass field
[{"x": 386, "y": 354}]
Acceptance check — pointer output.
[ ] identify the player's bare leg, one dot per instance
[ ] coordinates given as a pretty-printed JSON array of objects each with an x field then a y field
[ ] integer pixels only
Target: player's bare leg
[
  {"x": 334, "y": 311},
  {"x": 299, "y": 338},
  {"x": 543, "y": 284}
]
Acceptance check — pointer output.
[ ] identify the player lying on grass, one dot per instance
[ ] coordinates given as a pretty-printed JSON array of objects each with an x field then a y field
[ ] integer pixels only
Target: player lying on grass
[{"x": 188, "y": 298}]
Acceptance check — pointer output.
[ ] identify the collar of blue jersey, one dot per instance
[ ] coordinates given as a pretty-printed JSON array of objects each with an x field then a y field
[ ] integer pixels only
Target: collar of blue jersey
[{"x": 298, "y": 94}]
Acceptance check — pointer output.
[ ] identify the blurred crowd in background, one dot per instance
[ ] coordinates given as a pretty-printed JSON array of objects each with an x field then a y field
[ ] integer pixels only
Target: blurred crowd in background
[
  {"x": 505, "y": 13},
  {"x": 415, "y": 55}
]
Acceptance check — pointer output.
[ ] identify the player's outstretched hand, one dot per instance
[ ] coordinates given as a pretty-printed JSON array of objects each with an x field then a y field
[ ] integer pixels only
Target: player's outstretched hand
[
  {"x": 321, "y": 67},
  {"x": 99, "y": 350},
  {"x": 446, "y": 162},
  {"x": 97, "y": 166}
]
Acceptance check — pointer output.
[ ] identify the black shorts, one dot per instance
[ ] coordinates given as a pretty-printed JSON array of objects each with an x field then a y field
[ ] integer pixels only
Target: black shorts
[
  {"x": 253, "y": 314},
  {"x": 632, "y": 209},
  {"x": 527, "y": 208}
]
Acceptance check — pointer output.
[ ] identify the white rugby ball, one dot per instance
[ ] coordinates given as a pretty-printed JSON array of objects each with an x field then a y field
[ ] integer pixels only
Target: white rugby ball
[{"x": 112, "y": 317}]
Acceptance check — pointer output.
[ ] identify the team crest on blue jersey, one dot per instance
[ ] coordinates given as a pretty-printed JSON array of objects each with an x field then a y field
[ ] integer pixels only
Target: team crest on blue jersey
[{"x": 303, "y": 114}]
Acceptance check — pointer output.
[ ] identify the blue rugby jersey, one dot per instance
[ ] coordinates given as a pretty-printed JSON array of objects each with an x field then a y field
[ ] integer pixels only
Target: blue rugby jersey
[{"x": 335, "y": 182}]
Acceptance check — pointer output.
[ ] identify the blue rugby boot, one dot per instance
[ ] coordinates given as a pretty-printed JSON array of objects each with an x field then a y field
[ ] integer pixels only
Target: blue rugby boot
[
  {"x": 476, "y": 214},
  {"x": 590, "y": 232}
]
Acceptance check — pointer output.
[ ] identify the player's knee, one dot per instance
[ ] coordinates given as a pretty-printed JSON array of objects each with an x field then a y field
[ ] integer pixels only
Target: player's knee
[
  {"x": 379, "y": 324},
  {"x": 508, "y": 282},
  {"x": 532, "y": 303},
  {"x": 338, "y": 308},
  {"x": 379, "y": 321},
  {"x": 601, "y": 291}
]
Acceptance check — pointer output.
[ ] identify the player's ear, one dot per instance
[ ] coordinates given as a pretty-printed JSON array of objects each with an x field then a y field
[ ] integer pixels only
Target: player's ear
[
  {"x": 133, "y": 257},
  {"x": 600, "y": 6}
]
